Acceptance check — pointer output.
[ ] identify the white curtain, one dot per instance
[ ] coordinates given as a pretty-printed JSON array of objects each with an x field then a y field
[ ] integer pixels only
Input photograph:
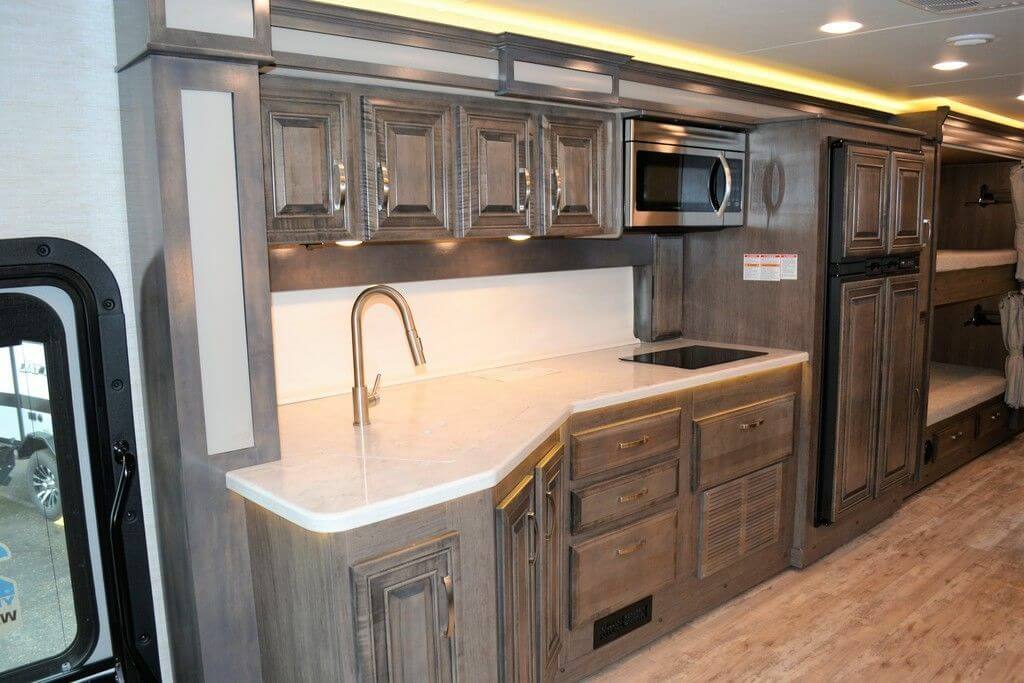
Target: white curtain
[
  {"x": 1011, "y": 316},
  {"x": 1017, "y": 193}
]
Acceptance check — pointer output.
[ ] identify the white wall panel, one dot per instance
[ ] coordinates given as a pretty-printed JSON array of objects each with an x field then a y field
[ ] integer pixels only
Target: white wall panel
[
  {"x": 466, "y": 324},
  {"x": 529, "y": 72},
  {"x": 212, "y": 186},
  {"x": 229, "y": 17}
]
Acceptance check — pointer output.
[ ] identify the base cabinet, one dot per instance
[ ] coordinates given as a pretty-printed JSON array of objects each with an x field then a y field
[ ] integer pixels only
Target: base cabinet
[{"x": 405, "y": 613}]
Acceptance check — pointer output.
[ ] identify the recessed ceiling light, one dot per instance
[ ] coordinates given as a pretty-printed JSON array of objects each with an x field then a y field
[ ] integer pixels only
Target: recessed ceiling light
[
  {"x": 1020, "y": 97},
  {"x": 949, "y": 66},
  {"x": 970, "y": 39},
  {"x": 841, "y": 27}
]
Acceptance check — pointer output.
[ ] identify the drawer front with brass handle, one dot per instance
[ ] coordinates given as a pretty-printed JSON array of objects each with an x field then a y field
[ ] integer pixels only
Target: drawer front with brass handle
[
  {"x": 623, "y": 496},
  {"x": 736, "y": 442},
  {"x": 954, "y": 439},
  {"x": 616, "y": 568},
  {"x": 609, "y": 446},
  {"x": 993, "y": 419}
]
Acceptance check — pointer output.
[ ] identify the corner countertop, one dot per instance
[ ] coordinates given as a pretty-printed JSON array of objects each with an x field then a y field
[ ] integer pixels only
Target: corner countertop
[{"x": 440, "y": 439}]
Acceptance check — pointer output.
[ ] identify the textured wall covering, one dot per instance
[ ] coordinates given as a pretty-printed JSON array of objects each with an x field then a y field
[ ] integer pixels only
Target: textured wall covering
[{"x": 61, "y": 166}]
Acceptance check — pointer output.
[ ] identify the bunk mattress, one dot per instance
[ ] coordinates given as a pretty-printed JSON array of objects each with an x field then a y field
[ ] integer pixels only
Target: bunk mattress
[
  {"x": 965, "y": 259},
  {"x": 956, "y": 388}
]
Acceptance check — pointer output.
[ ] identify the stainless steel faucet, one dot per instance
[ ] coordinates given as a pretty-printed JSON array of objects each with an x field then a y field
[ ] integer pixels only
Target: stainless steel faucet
[{"x": 361, "y": 399}]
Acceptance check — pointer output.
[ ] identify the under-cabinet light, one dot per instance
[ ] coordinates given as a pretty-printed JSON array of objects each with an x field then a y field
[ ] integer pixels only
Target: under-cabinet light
[
  {"x": 519, "y": 238},
  {"x": 349, "y": 243}
]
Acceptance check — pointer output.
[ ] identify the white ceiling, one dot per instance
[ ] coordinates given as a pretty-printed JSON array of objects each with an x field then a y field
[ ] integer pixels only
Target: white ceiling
[{"x": 892, "y": 54}]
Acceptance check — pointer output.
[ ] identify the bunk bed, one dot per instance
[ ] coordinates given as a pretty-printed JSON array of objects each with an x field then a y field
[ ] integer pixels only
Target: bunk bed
[{"x": 969, "y": 274}]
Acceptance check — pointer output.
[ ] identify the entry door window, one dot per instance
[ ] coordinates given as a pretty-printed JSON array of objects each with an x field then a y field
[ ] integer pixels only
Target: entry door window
[{"x": 46, "y": 604}]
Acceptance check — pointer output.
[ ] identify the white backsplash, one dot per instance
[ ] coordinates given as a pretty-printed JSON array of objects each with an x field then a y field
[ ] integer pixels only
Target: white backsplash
[{"x": 466, "y": 324}]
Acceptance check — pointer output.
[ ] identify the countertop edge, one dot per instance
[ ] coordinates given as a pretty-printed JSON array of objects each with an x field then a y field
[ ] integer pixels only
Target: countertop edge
[{"x": 371, "y": 513}]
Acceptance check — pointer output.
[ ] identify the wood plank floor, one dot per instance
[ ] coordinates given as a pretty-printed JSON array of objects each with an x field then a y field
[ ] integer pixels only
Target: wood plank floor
[{"x": 935, "y": 593}]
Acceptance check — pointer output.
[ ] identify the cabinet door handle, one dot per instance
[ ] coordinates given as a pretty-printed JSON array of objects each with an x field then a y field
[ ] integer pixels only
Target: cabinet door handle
[
  {"x": 340, "y": 185},
  {"x": 550, "y": 521},
  {"x": 449, "y": 592},
  {"x": 527, "y": 189},
  {"x": 385, "y": 185},
  {"x": 636, "y": 495},
  {"x": 995, "y": 416},
  {"x": 917, "y": 400},
  {"x": 626, "y": 445},
  {"x": 956, "y": 436},
  {"x": 557, "y": 175},
  {"x": 752, "y": 425},
  {"x": 629, "y": 550},
  {"x": 533, "y": 539}
]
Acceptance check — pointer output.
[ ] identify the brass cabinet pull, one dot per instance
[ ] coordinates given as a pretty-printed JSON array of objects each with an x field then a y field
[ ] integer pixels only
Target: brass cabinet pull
[
  {"x": 449, "y": 592},
  {"x": 752, "y": 425},
  {"x": 527, "y": 188},
  {"x": 629, "y": 550},
  {"x": 625, "y": 445},
  {"x": 533, "y": 541},
  {"x": 630, "y": 497},
  {"x": 385, "y": 185},
  {"x": 341, "y": 185}
]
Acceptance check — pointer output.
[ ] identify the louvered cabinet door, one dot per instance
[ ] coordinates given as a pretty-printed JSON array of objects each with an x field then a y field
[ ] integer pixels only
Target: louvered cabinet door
[
  {"x": 855, "y": 446},
  {"x": 906, "y": 203},
  {"x": 739, "y": 518},
  {"x": 901, "y": 382}
]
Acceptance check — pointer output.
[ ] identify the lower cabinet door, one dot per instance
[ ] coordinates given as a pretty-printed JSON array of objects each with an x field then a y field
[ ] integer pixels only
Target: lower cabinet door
[
  {"x": 517, "y": 529},
  {"x": 405, "y": 613},
  {"x": 551, "y": 557},
  {"x": 901, "y": 383}
]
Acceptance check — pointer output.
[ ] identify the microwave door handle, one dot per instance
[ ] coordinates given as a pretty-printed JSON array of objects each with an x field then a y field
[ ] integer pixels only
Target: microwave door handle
[{"x": 728, "y": 184}]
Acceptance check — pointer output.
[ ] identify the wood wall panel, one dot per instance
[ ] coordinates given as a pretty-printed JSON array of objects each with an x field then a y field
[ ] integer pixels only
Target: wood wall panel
[{"x": 973, "y": 227}]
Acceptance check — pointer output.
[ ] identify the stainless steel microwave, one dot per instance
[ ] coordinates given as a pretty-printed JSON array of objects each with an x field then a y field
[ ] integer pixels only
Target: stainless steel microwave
[{"x": 683, "y": 176}]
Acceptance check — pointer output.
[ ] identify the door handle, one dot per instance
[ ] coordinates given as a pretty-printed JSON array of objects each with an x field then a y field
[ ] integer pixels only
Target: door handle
[
  {"x": 340, "y": 185},
  {"x": 549, "y": 523},
  {"x": 728, "y": 184},
  {"x": 449, "y": 593},
  {"x": 557, "y": 175},
  {"x": 385, "y": 185},
  {"x": 527, "y": 189},
  {"x": 533, "y": 540}
]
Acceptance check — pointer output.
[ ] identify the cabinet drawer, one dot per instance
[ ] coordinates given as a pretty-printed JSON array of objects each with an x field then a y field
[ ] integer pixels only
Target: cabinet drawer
[
  {"x": 609, "y": 446},
  {"x": 955, "y": 438},
  {"x": 736, "y": 442},
  {"x": 623, "y": 496},
  {"x": 619, "y": 567},
  {"x": 993, "y": 418}
]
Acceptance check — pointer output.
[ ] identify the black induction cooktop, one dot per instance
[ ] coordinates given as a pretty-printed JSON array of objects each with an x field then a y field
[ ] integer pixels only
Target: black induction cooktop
[{"x": 693, "y": 357}]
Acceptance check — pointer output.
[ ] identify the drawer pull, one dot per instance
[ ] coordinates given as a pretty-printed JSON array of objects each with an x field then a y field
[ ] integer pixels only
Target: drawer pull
[
  {"x": 630, "y": 497},
  {"x": 449, "y": 593},
  {"x": 995, "y": 416},
  {"x": 956, "y": 436},
  {"x": 626, "y": 445},
  {"x": 629, "y": 550},
  {"x": 752, "y": 425}
]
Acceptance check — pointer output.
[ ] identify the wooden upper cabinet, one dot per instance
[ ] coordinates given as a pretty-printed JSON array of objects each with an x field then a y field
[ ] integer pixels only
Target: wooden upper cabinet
[
  {"x": 405, "y": 613},
  {"x": 901, "y": 382},
  {"x": 408, "y": 168},
  {"x": 496, "y": 172},
  {"x": 517, "y": 557},
  {"x": 861, "y": 327},
  {"x": 862, "y": 198},
  {"x": 551, "y": 496},
  {"x": 311, "y": 184},
  {"x": 906, "y": 203},
  {"x": 577, "y": 176}
]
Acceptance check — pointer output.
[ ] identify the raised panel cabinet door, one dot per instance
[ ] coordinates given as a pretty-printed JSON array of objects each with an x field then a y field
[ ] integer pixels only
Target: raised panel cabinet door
[
  {"x": 550, "y": 489},
  {"x": 860, "y": 356},
  {"x": 901, "y": 377},
  {"x": 409, "y": 149},
  {"x": 577, "y": 178},
  {"x": 405, "y": 613},
  {"x": 496, "y": 172},
  {"x": 310, "y": 193},
  {"x": 906, "y": 203},
  {"x": 517, "y": 530},
  {"x": 863, "y": 194}
]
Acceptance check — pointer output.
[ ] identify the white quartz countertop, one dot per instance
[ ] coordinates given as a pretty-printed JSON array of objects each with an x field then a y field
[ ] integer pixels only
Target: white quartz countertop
[{"x": 440, "y": 439}]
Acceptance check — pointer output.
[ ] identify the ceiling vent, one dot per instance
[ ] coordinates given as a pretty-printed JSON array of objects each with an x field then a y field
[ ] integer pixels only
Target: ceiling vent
[{"x": 962, "y": 6}]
